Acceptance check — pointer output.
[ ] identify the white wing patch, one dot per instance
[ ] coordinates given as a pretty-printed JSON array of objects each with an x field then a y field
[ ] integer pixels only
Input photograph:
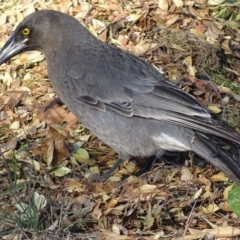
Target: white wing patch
[{"x": 170, "y": 143}]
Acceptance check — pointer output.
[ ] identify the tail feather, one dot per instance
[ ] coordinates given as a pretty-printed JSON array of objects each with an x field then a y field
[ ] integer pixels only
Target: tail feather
[{"x": 221, "y": 154}]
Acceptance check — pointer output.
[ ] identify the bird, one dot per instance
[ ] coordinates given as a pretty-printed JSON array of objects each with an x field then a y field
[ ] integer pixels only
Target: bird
[{"x": 121, "y": 98}]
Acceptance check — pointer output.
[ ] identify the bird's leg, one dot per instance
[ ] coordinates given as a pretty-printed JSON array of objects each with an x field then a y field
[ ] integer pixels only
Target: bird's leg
[
  {"x": 50, "y": 104},
  {"x": 148, "y": 166},
  {"x": 109, "y": 172},
  {"x": 150, "y": 162}
]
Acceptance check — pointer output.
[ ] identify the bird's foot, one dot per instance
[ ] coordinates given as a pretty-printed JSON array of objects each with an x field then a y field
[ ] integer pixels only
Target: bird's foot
[{"x": 97, "y": 178}]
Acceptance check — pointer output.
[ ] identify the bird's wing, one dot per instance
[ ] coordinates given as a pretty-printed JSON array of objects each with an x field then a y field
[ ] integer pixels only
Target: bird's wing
[{"x": 114, "y": 80}]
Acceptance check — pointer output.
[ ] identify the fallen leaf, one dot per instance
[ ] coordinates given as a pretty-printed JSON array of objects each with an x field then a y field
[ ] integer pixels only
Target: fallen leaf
[
  {"x": 81, "y": 155},
  {"x": 71, "y": 185},
  {"x": 213, "y": 109},
  {"x": 61, "y": 171}
]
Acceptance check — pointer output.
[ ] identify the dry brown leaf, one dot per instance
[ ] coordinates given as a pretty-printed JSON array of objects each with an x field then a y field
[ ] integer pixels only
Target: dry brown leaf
[
  {"x": 171, "y": 19},
  {"x": 3, "y": 19},
  {"x": 51, "y": 113},
  {"x": 71, "y": 185},
  {"x": 211, "y": 208},
  {"x": 50, "y": 152},
  {"x": 225, "y": 46},
  {"x": 213, "y": 109},
  {"x": 200, "y": 27},
  {"x": 98, "y": 26},
  {"x": 215, "y": 2},
  {"x": 13, "y": 236},
  {"x": 134, "y": 17},
  {"x": 64, "y": 7},
  {"x": 9, "y": 145},
  {"x": 220, "y": 177},
  {"x": 201, "y": 2},
  {"x": 70, "y": 119},
  {"x": 194, "y": 12},
  {"x": 226, "y": 191},
  {"x": 178, "y": 47},
  {"x": 103, "y": 35},
  {"x": 186, "y": 174},
  {"x": 142, "y": 48},
  {"x": 163, "y": 4},
  {"x": 178, "y": 3},
  {"x": 53, "y": 149},
  {"x": 236, "y": 96},
  {"x": 115, "y": 7},
  {"x": 112, "y": 203},
  {"x": 188, "y": 61},
  {"x": 15, "y": 125},
  {"x": 224, "y": 206},
  {"x": 191, "y": 70},
  {"x": 196, "y": 32},
  {"x": 146, "y": 189},
  {"x": 223, "y": 89},
  {"x": 197, "y": 194},
  {"x": 218, "y": 232}
]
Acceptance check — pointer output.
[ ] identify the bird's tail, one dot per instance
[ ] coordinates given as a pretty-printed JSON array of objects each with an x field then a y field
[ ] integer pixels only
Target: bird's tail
[{"x": 220, "y": 153}]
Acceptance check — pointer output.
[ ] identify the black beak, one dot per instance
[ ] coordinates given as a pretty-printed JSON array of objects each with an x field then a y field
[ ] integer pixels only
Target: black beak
[{"x": 12, "y": 48}]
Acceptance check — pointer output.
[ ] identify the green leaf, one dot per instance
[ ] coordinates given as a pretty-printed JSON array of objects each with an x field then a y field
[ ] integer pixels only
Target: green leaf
[
  {"x": 232, "y": 24},
  {"x": 61, "y": 171},
  {"x": 226, "y": 147},
  {"x": 81, "y": 155},
  {"x": 22, "y": 207},
  {"x": 39, "y": 200},
  {"x": 234, "y": 199}
]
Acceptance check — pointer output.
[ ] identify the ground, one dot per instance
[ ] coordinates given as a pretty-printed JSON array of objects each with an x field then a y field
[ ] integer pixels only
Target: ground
[{"x": 47, "y": 157}]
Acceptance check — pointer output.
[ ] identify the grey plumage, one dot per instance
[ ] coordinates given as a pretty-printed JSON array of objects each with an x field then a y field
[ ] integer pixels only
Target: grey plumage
[{"x": 119, "y": 97}]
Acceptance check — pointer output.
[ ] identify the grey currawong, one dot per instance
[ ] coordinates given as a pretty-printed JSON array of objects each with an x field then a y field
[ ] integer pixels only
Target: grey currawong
[{"x": 119, "y": 97}]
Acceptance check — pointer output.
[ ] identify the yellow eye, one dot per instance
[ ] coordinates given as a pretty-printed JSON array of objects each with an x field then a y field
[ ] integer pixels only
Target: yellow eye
[{"x": 26, "y": 31}]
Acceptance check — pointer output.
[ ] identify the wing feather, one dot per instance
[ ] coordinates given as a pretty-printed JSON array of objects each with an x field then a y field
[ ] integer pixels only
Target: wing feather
[{"x": 135, "y": 88}]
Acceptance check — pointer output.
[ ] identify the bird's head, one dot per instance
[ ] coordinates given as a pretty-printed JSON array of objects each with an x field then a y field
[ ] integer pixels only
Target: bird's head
[
  {"x": 43, "y": 30},
  {"x": 28, "y": 35}
]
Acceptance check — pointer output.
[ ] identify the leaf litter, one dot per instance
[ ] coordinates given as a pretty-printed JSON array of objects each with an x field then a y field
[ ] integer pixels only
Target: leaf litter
[{"x": 47, "y": 157}]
